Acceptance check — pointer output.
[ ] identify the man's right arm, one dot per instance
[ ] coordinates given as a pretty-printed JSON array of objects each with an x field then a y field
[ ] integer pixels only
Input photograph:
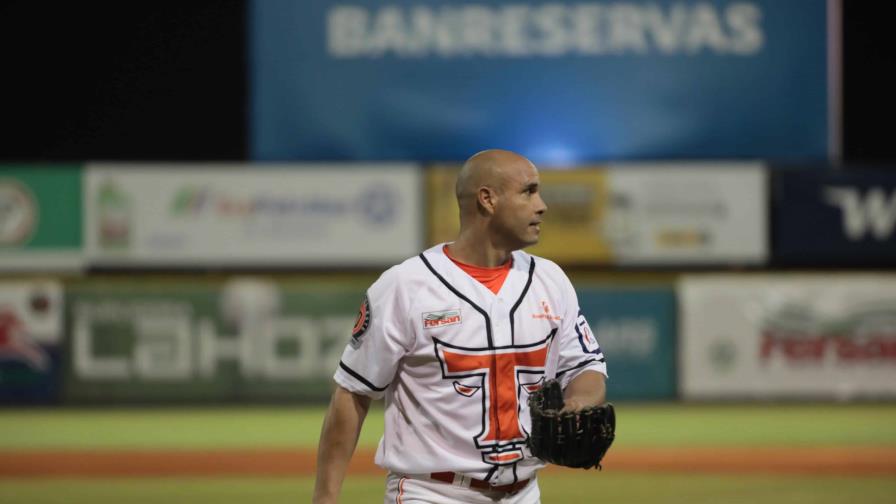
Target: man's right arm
[{"x": 338, "y": 439}]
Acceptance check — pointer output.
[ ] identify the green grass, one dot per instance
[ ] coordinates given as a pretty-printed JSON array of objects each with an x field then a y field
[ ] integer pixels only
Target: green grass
[
  {"x": 638, "y": 425},
  {"x": 292, "y": 427},
  {"x": 556, "y": 489},
  {"x": 188, "y": 428},
  {"x": 756, "y": 425}
]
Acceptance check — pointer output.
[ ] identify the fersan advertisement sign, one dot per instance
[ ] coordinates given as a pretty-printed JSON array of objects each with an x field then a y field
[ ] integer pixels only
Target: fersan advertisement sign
[{"x": 753, "y": 336}]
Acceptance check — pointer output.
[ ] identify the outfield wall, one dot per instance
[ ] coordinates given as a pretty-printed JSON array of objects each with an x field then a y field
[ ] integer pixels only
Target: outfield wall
[
  {"x": 278, "y": 339},
  {"x": 252, "y": 339},
  {"x": 103, "y": 298}
]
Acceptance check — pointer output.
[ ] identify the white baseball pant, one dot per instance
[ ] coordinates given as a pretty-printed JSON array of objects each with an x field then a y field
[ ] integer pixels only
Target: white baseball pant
[{"x": 404, "y": 489}]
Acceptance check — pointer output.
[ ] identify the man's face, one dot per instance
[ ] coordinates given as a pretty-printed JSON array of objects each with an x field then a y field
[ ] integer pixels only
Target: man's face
[{"x": 518, "y": 214}]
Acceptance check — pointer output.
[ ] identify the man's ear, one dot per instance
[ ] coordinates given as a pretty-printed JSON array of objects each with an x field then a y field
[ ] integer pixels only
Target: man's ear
[{"x": 487, "y": 199}]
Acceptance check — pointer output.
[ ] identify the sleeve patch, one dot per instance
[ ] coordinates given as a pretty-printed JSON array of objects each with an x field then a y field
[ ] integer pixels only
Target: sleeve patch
[
  {"x": 361, "y": 323},
  {"x": 586, "y": 337}
]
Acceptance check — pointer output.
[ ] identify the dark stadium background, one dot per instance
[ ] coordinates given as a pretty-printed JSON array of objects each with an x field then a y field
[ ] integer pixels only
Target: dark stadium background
[
  {"x": 718, "y": 401},
  {"x": 166, "y": 80}
]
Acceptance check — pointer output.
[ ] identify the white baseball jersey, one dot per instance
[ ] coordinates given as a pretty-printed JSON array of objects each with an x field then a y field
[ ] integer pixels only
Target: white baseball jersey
[{"x": 457, "y": 362}]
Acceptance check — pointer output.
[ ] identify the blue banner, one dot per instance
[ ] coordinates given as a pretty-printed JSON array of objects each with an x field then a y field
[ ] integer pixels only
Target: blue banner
[
  {"x": 559, "y": 81},
  {"x": 22, "y": 382},
  {"x": 834, "y": 218},
  {"x": 636, "y": 331}
]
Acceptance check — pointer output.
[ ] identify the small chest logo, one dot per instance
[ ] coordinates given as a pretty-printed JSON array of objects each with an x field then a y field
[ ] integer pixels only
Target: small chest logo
[
  {"x": 440, "y": 318},
  {"x": 546, "y": 313}
]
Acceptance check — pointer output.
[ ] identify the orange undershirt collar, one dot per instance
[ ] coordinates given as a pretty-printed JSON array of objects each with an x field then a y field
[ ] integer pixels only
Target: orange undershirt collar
[{"x": 491, "y": 278}]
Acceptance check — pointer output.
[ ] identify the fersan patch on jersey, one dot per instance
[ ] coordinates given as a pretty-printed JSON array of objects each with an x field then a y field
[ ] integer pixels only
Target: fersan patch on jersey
[
  {"x": 361, "y": 323},
  {"x": 440, "y": 318}
]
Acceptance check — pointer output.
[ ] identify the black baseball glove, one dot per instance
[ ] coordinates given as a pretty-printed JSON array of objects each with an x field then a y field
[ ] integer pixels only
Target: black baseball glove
[{"x": 574, "y": 438}]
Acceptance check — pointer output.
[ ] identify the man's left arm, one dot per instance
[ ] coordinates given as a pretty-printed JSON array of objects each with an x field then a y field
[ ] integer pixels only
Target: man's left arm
[{"x": 587, "y": 389}]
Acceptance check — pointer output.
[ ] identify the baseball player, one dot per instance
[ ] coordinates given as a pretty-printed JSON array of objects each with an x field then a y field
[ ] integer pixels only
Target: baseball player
[{"x": 455, "y": 340}]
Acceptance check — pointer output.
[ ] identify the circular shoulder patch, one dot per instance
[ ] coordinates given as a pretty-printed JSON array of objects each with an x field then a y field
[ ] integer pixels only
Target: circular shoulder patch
[{"x": 363, "y": 320}]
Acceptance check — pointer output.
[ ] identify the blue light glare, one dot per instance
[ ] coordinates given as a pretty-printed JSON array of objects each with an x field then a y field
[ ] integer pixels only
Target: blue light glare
[{"x": 554, "y": 156}]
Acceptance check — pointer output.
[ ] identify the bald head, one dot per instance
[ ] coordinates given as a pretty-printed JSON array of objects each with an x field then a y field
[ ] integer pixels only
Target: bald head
[
  {"x": 500, "y": 205},
  {"x": 489, "y": 168}
]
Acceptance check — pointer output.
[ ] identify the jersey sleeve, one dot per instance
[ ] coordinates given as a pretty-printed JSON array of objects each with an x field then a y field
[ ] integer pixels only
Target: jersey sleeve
[
  {"x": 379, "y": 339},
  {"x": 579, "y": 348}
]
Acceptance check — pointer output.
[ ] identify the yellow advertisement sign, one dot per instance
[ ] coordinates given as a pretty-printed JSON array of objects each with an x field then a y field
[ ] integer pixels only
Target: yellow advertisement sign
[{"x": 573, "y": 228}]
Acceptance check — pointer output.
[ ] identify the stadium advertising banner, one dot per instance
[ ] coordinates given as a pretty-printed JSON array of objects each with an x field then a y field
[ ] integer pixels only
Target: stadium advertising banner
[
  {"x": 688, "y": 213},
  {"x": 637, "y": 214},
  {"x": 246, "y": 339},
  {"x": 257, "y": 339},
  {"x": 31, "y": 332},
  {"x": 636, "y": 331},
  {"x": 788, "y": 336},
  {"x": 840, "y": 217},
  {"x": 40, "y": 218},
  {"x": 559, "y": 81},
  {"x": 570, "y": 234},
  {"x": 231, "y": 215}
]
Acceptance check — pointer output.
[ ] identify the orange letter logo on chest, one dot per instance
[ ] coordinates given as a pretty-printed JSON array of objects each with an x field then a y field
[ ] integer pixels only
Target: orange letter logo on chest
[{"x": 502, "y": 373}]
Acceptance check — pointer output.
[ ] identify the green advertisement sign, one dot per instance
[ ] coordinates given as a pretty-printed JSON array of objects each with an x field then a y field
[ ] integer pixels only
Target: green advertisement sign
[
  {"x": 247, "y": 339},
  {"x": 259, "y": 339},
  {"x": 636, "y": 331},
  {"x": 40, "y": 217}
]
